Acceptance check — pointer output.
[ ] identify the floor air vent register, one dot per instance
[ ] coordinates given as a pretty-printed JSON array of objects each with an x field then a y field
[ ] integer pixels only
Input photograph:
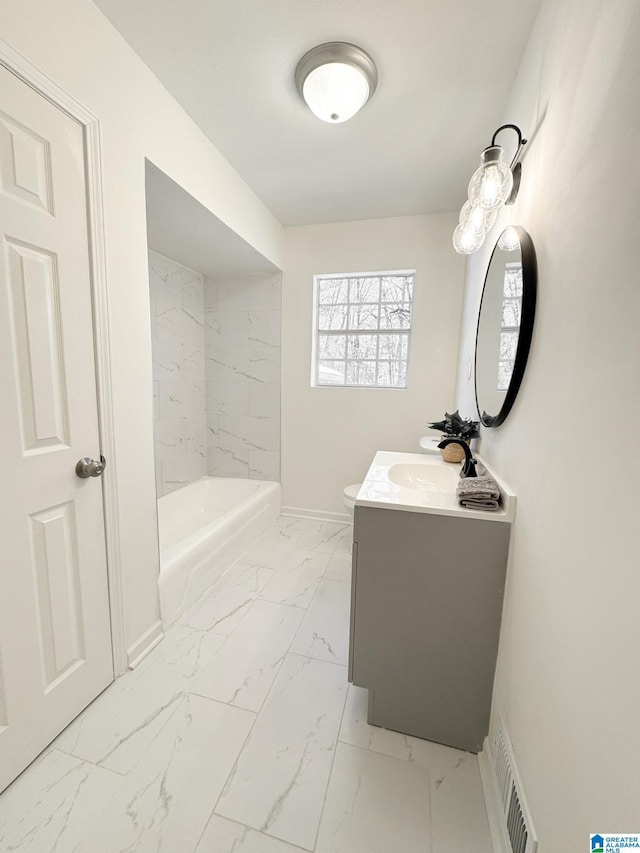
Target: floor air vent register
[{"x": 505, "y": 790}]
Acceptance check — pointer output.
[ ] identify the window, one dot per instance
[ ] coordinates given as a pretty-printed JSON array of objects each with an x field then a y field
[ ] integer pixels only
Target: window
[
  {"x": 361, "y": 329},
  {"x": 510, "y": 324}
]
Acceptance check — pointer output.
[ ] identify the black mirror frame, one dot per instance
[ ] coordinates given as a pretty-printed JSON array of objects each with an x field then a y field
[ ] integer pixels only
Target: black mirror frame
[{"x": 529, "y": 293}]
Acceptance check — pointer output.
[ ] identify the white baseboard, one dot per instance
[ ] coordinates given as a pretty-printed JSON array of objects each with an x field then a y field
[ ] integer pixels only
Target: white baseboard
[
  {"x": 493, "y": 805},
  {"x": 147, "y": 641},
  {"x": 319, "y": 514}
]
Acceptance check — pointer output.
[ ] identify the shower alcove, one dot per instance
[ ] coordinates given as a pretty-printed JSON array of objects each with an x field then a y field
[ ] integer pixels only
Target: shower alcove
[{"x": 215, "y": 333}]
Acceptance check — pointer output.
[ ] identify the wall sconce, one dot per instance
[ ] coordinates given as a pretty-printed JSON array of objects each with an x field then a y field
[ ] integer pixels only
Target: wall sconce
[
  {"x": 493, "y": 184},
  {"x": 336, "y": 80}
]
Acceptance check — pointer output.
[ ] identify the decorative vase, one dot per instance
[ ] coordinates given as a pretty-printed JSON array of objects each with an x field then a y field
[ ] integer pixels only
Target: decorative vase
[{"x": 452, "y": 452}]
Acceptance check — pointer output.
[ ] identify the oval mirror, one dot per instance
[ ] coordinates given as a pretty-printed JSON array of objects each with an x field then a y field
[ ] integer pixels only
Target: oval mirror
[{"x": 505, "y": 324}]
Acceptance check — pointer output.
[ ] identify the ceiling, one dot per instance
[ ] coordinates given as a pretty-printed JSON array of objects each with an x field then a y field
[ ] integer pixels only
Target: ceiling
[{"x": 445, "y": 71}]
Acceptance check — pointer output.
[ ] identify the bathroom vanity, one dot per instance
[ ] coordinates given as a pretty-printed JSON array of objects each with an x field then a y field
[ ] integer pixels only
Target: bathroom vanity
[{"x": 427, "y": 589}]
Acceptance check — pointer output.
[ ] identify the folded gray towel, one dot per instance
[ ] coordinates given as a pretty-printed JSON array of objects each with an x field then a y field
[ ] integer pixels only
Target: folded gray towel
[{"x": 478, "y": 493}]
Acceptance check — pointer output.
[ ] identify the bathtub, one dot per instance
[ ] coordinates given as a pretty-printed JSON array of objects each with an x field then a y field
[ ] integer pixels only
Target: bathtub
[{"x": 202, "y": 529}]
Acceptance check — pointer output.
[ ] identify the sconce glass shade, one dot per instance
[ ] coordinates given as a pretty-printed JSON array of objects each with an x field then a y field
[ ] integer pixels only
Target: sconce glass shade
[
  {"x": 466, "y": 241},
  {"x": 475, "y": 218},
  {"x": 492, "y": 185},
  {"x": 509, "y": 240},
  {"x": 336, "y": 80},
  {"x": 492, "y": 182}
]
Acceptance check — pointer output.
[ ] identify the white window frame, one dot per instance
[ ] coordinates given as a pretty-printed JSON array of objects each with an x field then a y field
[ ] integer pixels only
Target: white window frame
[
  {"x": 316, "y": 332},
  {"x": 509, "y": 267}
]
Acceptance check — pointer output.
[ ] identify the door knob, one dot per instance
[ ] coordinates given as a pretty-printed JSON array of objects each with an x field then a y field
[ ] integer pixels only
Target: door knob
[{"x": 87, "y": 467}]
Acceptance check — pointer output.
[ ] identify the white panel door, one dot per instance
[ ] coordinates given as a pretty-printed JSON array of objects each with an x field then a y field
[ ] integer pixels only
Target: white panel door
[{"x": 55, "y": 644}]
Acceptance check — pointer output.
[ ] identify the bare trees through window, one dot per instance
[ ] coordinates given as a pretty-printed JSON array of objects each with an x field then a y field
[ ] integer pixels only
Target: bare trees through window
[{"x": 363, "y": 328}]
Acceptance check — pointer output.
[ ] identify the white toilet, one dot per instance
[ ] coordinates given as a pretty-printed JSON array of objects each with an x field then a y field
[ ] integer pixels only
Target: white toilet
[{"x": 349, "y": 496}]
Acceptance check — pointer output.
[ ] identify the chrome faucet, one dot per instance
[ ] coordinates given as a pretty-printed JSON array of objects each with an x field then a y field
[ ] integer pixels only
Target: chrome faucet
[{"x": 469, "y": 465}]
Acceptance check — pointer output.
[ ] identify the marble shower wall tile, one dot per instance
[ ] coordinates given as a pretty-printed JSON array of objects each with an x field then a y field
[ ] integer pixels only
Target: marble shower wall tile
[
  {"x": 227, "y": 398},
  {"x": 228, "y": 461},
  {"x": 252, "y": 433},
  {"x": 264, "y": 465},
  {"x": 178, "y": 350},
  {"x": 263, "y": 328},
  {"x": 242, "y": 331},
  {"x": 180, "y": 399},
  {"x": 193, "y": 363},
  {"x": 227, "y": 328}
]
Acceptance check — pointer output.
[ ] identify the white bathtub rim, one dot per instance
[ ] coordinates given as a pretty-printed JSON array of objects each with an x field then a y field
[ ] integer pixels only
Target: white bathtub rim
[
  {"x": 255, "y": 496},
  {"x": 197, "y": 561}
]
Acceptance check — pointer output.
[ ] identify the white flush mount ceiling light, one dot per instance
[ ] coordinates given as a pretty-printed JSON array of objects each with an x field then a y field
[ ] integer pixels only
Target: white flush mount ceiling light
[
  {"x": 336, "y": 80},
  {"x": 493, "y": 184}
]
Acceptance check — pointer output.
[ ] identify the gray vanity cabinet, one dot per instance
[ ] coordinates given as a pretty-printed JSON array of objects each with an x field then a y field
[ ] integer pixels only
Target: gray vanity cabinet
[{"x": 425, "y": 620}]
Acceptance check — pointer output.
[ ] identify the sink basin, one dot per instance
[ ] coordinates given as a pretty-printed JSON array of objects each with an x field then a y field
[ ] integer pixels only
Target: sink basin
[
  {"x": 429, "y": 478},
  {"x": 418, "y": 482}
]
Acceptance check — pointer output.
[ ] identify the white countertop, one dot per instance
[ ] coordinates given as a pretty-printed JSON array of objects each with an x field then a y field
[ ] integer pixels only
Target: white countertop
[{"x": 379, "y": 489}]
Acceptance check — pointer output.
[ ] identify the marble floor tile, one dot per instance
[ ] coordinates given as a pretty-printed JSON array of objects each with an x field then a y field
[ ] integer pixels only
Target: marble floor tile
[
  {"x": 311, "y": 535},
  {"x": 339, "y": 567},
  {"x": 295, "y": 523},
  {"x": 458, "y": 815},
  {"x": 54, "y": 804},
  {"x": 239, "y": 734},
  {"x": 375, "y": 804},
  {"x": 324, "y": 632},
  {"x": 344, "y": 540},
  {"x": 326, "y": 539},
  {"x": 244, "y": 669},
  {"x": 165, "y": 803},
  {"x": 296, "y": 579},
  {"x": 118, "y": 727},
  {"x": 224, "y": 606},
  {"x": 269, "y": 550},
  {"x": 226, "y": 836},
  {"x": 279, "y": 782},
  {"x": 356, "y": 731}
]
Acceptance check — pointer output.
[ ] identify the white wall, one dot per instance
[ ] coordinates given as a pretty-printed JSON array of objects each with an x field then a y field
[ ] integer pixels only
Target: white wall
[
  {"x": 243, "y": 319},
  {"x": 329, "y": 435},
  {"x": 73, "y": 43},
  {"x": 568, "y": 681},
  {"x": 179, "y": 391}
]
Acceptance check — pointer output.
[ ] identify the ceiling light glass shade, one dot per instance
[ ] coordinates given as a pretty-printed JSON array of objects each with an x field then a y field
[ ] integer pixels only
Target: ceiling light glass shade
[
  {"x": 492, "y": 182},
  {"x": 475, "y": 218},
  {"x": 466, "y": 241},
  {"x": 336, "y": 80},
  {"x": 508, "y": 240},
  {"x": 335, "y": 92}
]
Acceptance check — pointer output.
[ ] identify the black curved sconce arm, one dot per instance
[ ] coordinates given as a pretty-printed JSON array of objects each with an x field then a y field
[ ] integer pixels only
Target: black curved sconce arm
[{"x": 521, "y": 140}]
